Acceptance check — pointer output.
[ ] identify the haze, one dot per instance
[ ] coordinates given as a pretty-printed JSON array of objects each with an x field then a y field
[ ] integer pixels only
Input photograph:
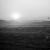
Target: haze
[{"x": 29, "y": 9}]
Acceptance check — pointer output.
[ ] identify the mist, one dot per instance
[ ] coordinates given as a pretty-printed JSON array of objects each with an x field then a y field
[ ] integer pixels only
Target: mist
[{"x": 29, "y": 9}]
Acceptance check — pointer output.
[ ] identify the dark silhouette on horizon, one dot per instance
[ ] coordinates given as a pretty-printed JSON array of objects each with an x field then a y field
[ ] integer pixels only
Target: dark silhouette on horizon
[{"x": 48, "y": 17}]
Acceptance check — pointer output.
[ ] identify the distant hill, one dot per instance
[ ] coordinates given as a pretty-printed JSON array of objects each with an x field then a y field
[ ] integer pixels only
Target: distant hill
[
  {"x": 12, "y": 23},
  {"x": 4, "y": 23}
]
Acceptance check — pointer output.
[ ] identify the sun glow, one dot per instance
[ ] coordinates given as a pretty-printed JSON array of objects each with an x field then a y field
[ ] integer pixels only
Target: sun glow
[{"x": 16, "y": 16}]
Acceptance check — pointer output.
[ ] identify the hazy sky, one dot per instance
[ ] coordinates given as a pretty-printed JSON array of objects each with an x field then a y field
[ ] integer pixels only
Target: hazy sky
[{"x": 29, "y": 9}]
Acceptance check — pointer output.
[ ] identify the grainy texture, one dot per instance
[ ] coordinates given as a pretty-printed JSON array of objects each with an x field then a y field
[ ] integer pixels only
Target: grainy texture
[{"x": 37, "y": 38}]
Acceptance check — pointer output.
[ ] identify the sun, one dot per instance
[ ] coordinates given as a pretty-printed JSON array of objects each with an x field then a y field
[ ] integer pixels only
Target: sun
[{"x": 16, "y": 16}]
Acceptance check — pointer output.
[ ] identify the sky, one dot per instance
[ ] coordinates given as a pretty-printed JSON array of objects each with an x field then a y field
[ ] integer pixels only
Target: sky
[{"x": 28, "y": 9}]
